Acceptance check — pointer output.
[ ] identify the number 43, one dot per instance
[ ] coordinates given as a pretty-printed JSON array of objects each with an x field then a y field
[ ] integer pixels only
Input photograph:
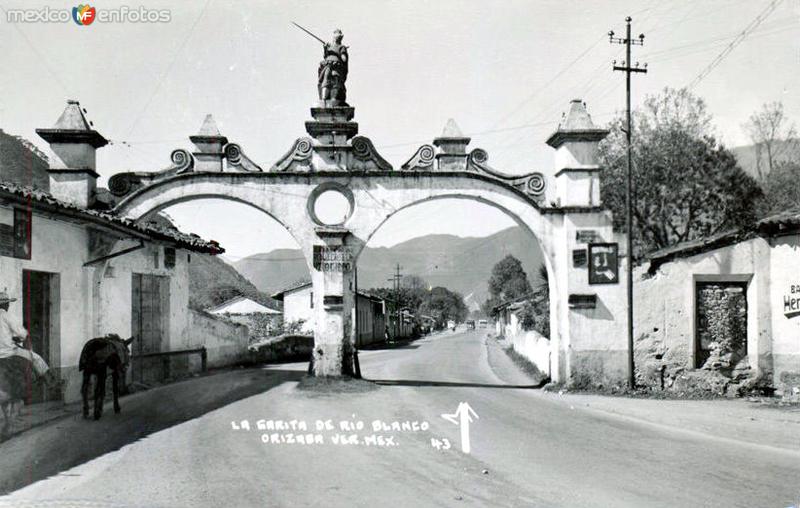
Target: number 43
[{"x": 442, "y": 444}]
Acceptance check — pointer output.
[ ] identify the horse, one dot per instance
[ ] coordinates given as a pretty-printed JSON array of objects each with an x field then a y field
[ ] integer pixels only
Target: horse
[
  {"x": 16, "y": 378},
  {"x": 99, "y": 354}
]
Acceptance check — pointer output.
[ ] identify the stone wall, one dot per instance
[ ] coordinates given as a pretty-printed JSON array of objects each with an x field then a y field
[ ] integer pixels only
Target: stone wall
[{"x": 225, "y": 342}]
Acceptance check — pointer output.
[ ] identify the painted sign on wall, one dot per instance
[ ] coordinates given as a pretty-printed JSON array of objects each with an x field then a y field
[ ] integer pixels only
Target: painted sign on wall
[
  {"x": 791, "y": 302},
  {"x": 587, "y": 236},
  {"x": 332, "y": 258},
  {"x": 603, "y": 263}
]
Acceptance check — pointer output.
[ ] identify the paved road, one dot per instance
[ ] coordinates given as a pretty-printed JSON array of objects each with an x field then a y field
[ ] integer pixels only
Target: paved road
[{"x": 527, "y": 449}]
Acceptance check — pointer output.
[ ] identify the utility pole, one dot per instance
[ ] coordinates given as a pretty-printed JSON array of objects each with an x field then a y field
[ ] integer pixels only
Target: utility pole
[
  {"x": 627, "y": 69},
  {"x": 395, "y": 279}
]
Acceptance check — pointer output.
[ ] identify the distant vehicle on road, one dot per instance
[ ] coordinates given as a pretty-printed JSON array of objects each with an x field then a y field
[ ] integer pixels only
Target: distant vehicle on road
[
  {"x": 471, "y": 324},
  {"x": 451, "y": 324},
  {"x": 483, "y": 323}
]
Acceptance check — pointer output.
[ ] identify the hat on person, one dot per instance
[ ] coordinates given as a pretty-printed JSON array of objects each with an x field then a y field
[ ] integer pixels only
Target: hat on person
[{"x": 4, "y": 297}]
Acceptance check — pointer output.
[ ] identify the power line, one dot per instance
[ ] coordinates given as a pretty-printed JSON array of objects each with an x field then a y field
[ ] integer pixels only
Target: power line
[
  {"x": 730, "y": 47},
  {"x": 39, "y": 56},
  {"x": 548, "y": 83},
  {"x": 168, "y": 69},
  {"x": 626, "y": 67}
]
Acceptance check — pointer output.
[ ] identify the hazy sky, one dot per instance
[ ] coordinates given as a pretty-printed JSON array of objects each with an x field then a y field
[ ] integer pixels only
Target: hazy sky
[{"x": 506, "y": 67}]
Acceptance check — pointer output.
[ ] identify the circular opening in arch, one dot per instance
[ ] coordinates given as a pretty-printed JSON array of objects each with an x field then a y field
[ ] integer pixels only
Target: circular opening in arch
[{"x": 331, "y": 205}]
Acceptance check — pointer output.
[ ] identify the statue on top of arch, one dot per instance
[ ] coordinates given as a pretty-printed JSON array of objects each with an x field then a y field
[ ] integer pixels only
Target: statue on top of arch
[{"x": 332, "y": 72}]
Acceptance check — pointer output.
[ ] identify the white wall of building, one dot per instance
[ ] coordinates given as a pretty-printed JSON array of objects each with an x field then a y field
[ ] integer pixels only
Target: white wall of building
[
  {"x": 297, "y": 306},
  {"x": 96, "y": 300},
  {"x": 665, "y": 311}
]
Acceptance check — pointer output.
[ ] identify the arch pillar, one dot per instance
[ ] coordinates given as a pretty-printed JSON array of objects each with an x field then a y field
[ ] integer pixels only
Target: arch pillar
[{"x": 333, "y": 281}]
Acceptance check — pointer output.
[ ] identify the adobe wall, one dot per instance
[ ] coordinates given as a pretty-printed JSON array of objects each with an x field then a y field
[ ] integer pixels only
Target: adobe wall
[{"x": 665, "y": 317}]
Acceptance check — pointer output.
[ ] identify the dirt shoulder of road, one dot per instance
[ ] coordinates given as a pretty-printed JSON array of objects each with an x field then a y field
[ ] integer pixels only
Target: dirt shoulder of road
[
  {"x": 735, "y": 419},
  {"x": 751, "y": 421},
  {"x": 504, "y": 367}
]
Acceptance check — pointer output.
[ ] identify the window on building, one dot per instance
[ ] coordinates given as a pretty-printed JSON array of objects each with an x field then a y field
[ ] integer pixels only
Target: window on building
[
  {"x": 721, "y": 334},
  {"x": 155, "y": 258},
  {"x": 169, "y": 257},
  {"x": 7, "y": 240},
  {"x": 22, "y": 233}
]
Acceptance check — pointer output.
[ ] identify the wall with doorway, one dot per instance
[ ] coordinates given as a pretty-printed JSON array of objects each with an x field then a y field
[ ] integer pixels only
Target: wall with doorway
[
  {"x": 668, "y": 324},
  {"x": 57, "y": 248},
  {"x": 96, "y": 300}
]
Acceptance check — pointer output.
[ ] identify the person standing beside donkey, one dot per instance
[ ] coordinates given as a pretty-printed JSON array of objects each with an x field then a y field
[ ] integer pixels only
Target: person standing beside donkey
[{"x": 12, "y": 331}]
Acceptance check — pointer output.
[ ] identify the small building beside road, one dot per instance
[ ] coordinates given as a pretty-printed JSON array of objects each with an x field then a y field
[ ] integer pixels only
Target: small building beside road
[
  {"x": 722, "y": 314},
  {"x": 371, "y": 321},
  {"x": 298, "y": 305},
  {"x": 259, "y": 319},
  {"x": 80, "y": 272}
]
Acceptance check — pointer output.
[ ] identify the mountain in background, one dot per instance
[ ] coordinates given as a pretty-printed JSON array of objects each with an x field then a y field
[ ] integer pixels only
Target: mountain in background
[
  {"x": 459, "y": 264},
  {"x": 746, "y": 156},
  {"x": 212, "y": 281},
  {"x": 22, "y": 163}
]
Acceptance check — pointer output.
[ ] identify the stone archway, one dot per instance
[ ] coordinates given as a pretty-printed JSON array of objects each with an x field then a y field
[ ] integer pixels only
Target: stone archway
[{"x": 560, "y": 208}]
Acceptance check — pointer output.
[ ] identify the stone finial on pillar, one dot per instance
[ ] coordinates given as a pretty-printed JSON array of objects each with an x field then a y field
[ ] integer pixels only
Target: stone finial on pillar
[
  {"x": 73, "y": 163},
  {"x": 452, "y": 148},
  {"x": 576, "y": 160},
  {"x": 209, "y": 143}
]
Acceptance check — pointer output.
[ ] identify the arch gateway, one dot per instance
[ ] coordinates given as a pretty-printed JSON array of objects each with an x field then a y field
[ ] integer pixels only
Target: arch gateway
[{"x": 561, "y": 207}]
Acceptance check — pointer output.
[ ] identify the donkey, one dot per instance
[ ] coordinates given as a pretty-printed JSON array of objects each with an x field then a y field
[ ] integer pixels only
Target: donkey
[{"x": 97, "y": 355}]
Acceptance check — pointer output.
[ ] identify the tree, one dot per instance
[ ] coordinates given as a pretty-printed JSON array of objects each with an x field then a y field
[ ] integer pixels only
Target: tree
[
  {"x": 772, "y": 134},
  {"x": 443, "y": 305},
  {"x": 535, "y": 313},
  {"x": 686, "y": 185},
  {"x": 782, "y": 188},
  {"x": 507, "y": 282},
  {"x": 417, "y": 295}
]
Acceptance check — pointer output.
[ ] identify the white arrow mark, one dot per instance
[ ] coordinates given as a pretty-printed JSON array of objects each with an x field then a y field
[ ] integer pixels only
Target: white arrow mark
[
  {"x": 462, "y": 417},
  {"x": 608, "y": 274}
]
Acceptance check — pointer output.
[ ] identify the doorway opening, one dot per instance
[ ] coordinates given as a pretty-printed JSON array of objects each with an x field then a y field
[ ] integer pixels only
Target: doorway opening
[{"x": 41, "y": 317}]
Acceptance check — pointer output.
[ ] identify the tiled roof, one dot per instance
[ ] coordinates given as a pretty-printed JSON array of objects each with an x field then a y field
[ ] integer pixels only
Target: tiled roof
[
  {"x": 700, "y": 245},
  {"x": 41, "y": 198},
  {"x": 297, "y": 285},
  {"x": 780, "y": 223},
  {"x": 789, "y": 219}
]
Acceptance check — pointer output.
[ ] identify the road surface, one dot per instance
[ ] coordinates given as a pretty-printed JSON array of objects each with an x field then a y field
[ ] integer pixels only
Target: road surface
[{"x": 526, "y": 448}]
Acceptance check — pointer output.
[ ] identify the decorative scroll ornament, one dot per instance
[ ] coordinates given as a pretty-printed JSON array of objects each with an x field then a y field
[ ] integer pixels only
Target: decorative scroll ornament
[
  {"x": 532, "y": 184},
  {"x": 422, "y": 160},
  {"x": 182, "y": 161},
  {"x": 364, "y": 150},
  {"x": 238, "y": 161},
  {"x": 123, "y": 184},
  {"x": 297, "y": 158}
]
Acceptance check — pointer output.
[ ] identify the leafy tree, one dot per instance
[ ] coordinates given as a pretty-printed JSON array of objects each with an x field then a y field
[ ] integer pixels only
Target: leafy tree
[
  {"x": 443, "y": 305},
  {"x": 782, "y": 188},
  {"x": 416, "y": 295},
  {"x": 772, "y": 134},
  {"x": 686, "y": 185},
  {"x": 507, "y": 282},
  {"x": 535, "y": 313}
]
